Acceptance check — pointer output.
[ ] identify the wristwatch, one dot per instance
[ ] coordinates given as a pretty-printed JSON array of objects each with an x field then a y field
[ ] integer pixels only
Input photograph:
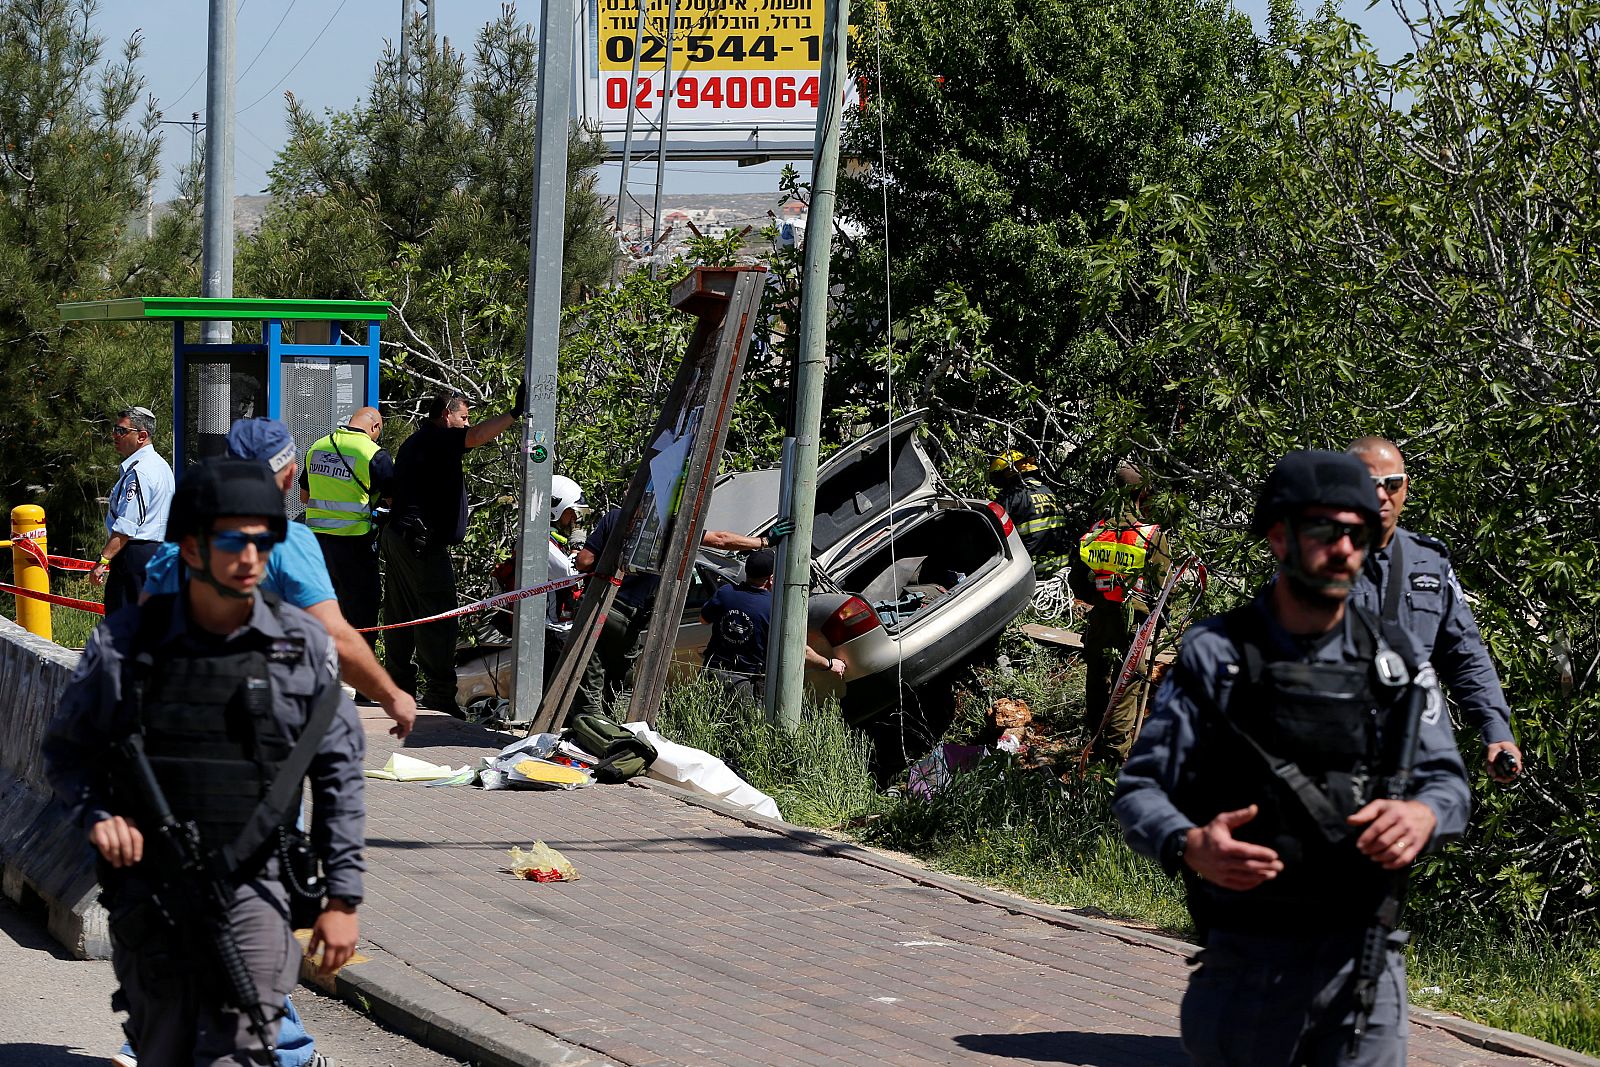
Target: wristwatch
[{"x": 1173, "y": 849}]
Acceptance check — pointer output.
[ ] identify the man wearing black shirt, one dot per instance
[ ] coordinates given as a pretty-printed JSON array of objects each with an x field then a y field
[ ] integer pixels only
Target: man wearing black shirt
[{"x": 429, "y": 516}]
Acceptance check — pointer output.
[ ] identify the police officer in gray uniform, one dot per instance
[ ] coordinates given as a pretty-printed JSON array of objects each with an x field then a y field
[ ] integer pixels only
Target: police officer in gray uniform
[
  {"x": 1256, "y": 779},
  {"x": 217, "y": 685},
  {"x": 1408, "y": 578}
]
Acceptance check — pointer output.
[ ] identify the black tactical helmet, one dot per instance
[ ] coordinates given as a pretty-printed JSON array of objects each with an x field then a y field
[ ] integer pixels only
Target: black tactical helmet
[
  {"x": 1315, "y": 476},
  {"x": 220, "y": 488}
]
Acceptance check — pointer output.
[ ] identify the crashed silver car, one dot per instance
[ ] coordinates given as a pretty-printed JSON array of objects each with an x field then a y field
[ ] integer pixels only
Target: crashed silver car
[{"x": 909, "y": 581}]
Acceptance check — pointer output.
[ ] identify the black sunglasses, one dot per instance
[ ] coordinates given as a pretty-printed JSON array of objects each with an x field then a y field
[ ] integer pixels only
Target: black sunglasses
[
  {"x": 123, "y": 431},
  {"x": 1329, "y": 531}
]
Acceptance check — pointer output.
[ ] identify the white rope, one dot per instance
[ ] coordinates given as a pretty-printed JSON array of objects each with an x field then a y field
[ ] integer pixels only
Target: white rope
[{"x": 888, "y": 363}]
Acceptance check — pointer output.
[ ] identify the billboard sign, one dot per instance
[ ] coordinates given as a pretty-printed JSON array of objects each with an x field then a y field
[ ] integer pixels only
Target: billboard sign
[{"x": 745, "y": 75}]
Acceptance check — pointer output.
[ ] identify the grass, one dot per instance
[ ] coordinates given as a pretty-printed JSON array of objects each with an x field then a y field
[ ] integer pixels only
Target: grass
[
  {"x": 1052, "y": 838},
  {"x": 1528, "y": 981},
  {"x": 819, "y": 775}
]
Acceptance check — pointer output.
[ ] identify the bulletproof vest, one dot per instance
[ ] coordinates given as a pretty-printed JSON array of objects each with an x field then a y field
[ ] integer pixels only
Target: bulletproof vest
[
  {"x": 211, "y": 734},
  {"x": 1310, "y": 743}
]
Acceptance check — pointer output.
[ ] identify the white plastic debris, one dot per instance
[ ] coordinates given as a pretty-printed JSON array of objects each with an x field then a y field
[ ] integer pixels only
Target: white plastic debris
[{"x": 702, "y": 772}]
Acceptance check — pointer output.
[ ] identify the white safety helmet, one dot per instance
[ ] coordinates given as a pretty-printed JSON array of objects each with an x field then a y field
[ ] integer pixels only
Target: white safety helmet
[{"x": 565, "y": 493}]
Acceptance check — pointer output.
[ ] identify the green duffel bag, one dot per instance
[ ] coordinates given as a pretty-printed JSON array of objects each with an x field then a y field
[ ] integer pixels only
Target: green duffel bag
[{"x": 621, "y": 753}]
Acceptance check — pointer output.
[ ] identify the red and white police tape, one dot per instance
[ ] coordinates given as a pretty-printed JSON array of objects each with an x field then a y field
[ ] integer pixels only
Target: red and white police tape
[
  {"x": 500, "y": 600},
  {"x": 25, "y": 541},
  {"x": 51, "y": 598}
]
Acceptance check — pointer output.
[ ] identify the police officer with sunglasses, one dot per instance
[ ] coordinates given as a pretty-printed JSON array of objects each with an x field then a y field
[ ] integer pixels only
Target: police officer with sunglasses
[
  {"x": 1268, "y": 777},
  {"x": 227, "y": 700},
  {"x": 1408, "y": 578}
]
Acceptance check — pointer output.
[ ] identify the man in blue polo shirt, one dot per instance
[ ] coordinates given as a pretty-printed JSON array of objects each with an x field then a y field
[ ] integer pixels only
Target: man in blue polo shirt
[
  {"x": 136, "y": 513},
  {"x": 297, "y": 573}
]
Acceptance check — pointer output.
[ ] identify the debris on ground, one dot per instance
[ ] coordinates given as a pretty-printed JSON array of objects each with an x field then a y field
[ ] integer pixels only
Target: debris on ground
[
  {"x": 701, "y": 772},
  {"x": 541, "y": 863},
  {"x": 934, "y": 771},
  {"x": 404, "y": 768},
  {"x": 1008, "y": 724}
]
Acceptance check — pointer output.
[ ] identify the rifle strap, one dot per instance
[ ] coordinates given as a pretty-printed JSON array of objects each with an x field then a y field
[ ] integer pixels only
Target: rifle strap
[{"x": 273, "y": 810}]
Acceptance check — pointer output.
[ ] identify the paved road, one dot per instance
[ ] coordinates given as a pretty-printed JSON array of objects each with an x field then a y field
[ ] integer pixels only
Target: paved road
[
  {"x": 696, "y": 939},
  {"x": 55, "y": 1010}
]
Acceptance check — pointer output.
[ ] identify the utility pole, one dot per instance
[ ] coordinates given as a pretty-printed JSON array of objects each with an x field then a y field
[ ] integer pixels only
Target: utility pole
[
  {"x": 627, "y": 136},
  {"x": 409, "y": 20},
  {"x": 405, "y": 41},
  {"x": 661, "y": 136},
  {"x": 786, "y": 678},
  {"x": 218, "y": 235},
  {"x": 543, "y": 346}
]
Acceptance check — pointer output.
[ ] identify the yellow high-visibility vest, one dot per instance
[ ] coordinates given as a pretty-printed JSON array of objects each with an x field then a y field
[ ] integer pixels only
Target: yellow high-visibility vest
[{"x": 339, "y": 484}]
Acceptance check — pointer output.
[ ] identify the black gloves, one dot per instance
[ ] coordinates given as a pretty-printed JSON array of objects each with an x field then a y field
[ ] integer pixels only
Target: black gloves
[{"x": 521, "y": 405}]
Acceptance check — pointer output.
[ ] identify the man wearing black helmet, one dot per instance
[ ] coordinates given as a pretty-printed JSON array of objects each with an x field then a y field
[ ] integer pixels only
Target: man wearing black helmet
[
  {"x": 234, "y": 700},
  {"x": 1261, "y": 777}
]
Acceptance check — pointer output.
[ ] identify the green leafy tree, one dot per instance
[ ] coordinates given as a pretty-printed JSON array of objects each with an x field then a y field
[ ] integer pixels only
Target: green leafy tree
[
  {"x": 76, "y": 167},
  {"x": 990, "y": 140},
  {"x": 428, "y": 182},
  {"x": 1416, "y": 254}
]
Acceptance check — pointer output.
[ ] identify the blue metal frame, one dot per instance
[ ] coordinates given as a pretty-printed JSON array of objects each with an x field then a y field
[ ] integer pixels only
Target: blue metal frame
[{"x": 276, "y": 350}]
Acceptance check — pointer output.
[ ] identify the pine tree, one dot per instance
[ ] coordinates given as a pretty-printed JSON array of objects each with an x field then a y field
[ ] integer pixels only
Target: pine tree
[{"x": 75, "y": 174}]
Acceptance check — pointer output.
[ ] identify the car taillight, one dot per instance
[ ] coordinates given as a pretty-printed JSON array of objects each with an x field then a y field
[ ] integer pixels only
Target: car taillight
[
  {"x": 1006, "y": 525},
  {"x": 854, "y": 618}
]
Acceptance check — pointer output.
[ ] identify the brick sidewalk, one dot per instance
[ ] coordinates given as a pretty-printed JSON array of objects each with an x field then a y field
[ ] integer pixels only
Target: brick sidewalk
[{"x": 695, "y": 939}]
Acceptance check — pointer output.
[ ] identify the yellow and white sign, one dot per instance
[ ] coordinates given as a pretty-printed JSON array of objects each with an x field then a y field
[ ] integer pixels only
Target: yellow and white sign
[{"x": 737, "y": 66}]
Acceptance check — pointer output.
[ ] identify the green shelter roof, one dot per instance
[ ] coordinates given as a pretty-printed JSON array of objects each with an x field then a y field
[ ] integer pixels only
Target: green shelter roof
[{"x": 213, "y": 309}]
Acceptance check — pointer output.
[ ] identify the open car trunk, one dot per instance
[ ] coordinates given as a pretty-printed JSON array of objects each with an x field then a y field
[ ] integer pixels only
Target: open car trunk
[{"x": 930, "y": 557}]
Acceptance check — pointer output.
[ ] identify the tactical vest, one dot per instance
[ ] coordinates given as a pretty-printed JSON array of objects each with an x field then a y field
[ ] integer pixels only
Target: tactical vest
[
  {"x": 1310, "y": 743},
  {"x": 211, "y": 734},
  {"x": 1114, "y": 553},
  {"x": 339, "y": 484}
]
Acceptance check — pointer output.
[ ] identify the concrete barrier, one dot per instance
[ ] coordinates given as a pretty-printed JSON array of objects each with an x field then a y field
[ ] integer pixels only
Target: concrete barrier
[{"x": 41, "y": 853}]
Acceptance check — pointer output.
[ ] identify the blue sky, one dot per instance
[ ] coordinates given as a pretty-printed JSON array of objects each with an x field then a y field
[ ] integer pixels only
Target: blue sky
[{"x": 324, "y": 51}]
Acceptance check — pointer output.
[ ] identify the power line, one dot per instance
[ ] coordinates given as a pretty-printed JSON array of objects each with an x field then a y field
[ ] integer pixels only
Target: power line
[
  {"x": 302, "y": 59},
  {"x": 180, "y": 97},
  {"x": 268, "y": 41}
]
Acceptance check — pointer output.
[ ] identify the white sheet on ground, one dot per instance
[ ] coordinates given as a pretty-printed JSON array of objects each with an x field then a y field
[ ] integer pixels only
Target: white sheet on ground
[{"x": 703, "y": 773}]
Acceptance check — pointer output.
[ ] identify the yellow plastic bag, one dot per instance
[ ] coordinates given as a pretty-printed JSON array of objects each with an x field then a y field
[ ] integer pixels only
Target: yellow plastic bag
[{"x": 541, "y": 863}]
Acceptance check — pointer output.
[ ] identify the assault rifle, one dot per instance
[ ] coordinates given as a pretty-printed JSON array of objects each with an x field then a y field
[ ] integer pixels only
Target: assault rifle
[
  {"x": 196, "y": 885},
  {"x": 1373, "y": 960}
]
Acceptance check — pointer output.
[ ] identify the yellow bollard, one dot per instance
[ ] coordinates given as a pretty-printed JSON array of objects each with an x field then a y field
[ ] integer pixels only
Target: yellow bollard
[{"x": 27, "y": 523}]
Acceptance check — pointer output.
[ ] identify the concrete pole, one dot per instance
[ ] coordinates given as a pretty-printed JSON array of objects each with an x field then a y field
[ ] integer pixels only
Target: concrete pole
[
  {"x": 218, "y": 234},
  {"x": 661, "y": 137},
  {"x": 627, "y": 136},
  {"x": 800, "y": 466},
  {"x": 542, "y": 345},
  {"x": 405, "y": 41}
]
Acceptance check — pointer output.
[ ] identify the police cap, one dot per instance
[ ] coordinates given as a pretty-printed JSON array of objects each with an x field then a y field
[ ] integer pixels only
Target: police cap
[
  {"x": 225, "y": 488},
  {"x": 1315, "y": 476}
]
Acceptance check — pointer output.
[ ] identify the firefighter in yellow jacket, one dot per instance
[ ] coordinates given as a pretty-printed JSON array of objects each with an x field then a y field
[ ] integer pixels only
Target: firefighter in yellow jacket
[
  {"x": 346, "y": 476},
  {"x": 1125, "y": 561}
]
